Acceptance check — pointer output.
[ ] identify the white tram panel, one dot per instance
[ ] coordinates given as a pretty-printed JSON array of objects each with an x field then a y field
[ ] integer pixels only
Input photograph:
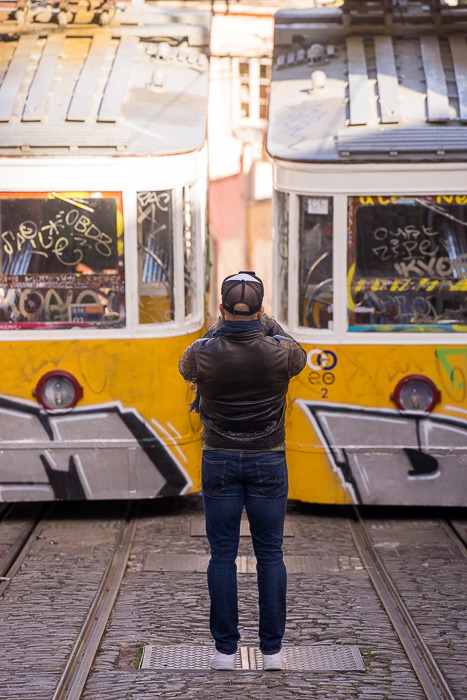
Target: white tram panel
[
  {"x": 91, "y": 108},
  {"x": 114, "y": 107},
  {"x": 137, "y": 86},
  {"x": 346, "y": 92}
]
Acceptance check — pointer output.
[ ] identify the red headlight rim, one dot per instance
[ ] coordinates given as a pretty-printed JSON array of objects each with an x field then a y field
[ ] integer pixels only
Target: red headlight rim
[
  {"x": 395, "y": 396},
  {"x": 58, "y": 373}
]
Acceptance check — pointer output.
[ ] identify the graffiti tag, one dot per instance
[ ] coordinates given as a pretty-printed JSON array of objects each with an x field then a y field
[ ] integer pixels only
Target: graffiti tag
[{"x": 62, "y": 237}]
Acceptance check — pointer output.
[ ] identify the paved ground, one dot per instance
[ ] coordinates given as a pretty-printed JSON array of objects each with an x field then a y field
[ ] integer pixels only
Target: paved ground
[{"x": 333, "y": 605}]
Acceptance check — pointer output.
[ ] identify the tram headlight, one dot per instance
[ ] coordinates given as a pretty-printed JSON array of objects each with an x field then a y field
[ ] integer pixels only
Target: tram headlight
[
  {"x": 58, "y": 390},
  {"x": 416, "y": 394}
]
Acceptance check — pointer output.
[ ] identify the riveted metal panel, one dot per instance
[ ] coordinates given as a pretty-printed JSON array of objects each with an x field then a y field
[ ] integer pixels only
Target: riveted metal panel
[
  {"x": 89, "y": 76},
  {"x": 359, "y": 103},
  {"x": 436, "y": 88},
  {"x": 304, "y": 658},
  {"x": 458, "y": 47},
  {"x": 35, "y": 105},
  {"x": 15, "y": 74},
  {"x": 388, "y": 86},
  {"x": 115, "y": 89}
]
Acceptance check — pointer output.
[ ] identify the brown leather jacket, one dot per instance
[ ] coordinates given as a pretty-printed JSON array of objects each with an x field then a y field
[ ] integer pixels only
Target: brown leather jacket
[{"x": 242, "y": 379}]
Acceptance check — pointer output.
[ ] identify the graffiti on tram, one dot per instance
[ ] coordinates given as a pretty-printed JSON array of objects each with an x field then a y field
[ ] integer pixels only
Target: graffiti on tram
[
  {"x": 98, "y": 452},
  {"x": 61, "y": 259},
  {"x": 380, "y": 455}
]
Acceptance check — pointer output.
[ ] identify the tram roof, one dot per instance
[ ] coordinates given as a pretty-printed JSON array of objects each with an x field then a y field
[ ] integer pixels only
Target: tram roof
[
  {"x": 369, "y": 85},
  {"x": 138, "y": 85}
]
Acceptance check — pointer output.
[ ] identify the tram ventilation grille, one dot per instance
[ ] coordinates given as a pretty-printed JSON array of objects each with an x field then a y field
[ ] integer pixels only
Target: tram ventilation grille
[
  {"x": 435, "y": 139},
  {"x": 304, "y": 658}
]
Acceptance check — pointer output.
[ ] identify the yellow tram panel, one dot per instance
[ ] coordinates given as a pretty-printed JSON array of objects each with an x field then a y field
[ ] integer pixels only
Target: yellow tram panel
[
  {"x": 103, "y": 201},
  {"x": 362, "y": 382}
]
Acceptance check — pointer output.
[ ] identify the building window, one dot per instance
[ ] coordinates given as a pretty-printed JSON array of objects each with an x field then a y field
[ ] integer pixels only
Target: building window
[{"x": 252, "y": 77}]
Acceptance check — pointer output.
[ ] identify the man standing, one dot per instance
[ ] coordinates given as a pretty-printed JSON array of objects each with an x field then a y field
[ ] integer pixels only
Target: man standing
[{"x": 242, "y": 368}]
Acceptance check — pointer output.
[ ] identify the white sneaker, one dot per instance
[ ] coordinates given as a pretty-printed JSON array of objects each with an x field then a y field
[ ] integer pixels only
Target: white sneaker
[
  {"x": 273, "y": 662},
  {"x": 223, "y": 662}
]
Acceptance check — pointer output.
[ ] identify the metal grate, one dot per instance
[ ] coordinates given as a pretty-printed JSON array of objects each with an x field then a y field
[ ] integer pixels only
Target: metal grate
[
  {"x": 306, "y": 658},
  {"x": 198, "y": 528},
  {"x": 176, "y": 562},
  {"x": 198, "y": 563},
  {"x": 435, "y": 139},
  {"x": 65, "y": 136}
]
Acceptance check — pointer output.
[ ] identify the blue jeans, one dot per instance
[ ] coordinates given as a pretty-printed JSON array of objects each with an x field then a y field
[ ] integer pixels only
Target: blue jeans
[{"x": 258, "y": 481}]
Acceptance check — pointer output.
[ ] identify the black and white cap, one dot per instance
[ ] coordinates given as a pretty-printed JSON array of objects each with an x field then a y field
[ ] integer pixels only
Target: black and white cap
[{"x": 242, "y": 288}]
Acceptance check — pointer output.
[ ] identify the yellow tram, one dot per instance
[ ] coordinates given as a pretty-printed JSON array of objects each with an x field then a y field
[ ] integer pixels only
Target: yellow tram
[
  {"x": 368, "y": 137},
  {"x": 103, "y": 181}
]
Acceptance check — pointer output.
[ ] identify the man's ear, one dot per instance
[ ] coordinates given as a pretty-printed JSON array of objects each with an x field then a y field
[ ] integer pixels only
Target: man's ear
[
  {"x": 221, "y": 309},
  {"x": 260, "y": 312}
]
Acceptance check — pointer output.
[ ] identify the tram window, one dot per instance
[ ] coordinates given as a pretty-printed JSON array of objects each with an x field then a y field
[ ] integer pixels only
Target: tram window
[
  {"x": 315, "y": 267},
  {"x": 282, "y": 227},
  {"x": 155, "y": 256},
  {"x": 61, "y": 260},
  {"x": 407, "y": 260},
  {"x": 189, "y": 253}
]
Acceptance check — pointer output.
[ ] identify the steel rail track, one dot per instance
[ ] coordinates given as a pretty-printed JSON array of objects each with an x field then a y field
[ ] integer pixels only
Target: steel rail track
[
  {"x": 455, "y": 536},
  {"x": 75, "y": 674},
  {"x": 19, "y": 550},
  {"x": 4, "y": 510},
  {"x": 428, "y": 673}
]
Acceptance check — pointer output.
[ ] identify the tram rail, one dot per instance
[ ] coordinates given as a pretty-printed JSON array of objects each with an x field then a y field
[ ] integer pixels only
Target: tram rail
[
  {"x": 455, "y": 534},
  {"x": 20, "y": 547},
  {"x": 80, "y": 661},
  {"x": 428, "y": 673}
]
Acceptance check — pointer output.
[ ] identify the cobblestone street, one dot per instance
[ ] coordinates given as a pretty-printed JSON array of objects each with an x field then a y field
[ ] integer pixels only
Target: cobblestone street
[{"x": 163, "y": 601}]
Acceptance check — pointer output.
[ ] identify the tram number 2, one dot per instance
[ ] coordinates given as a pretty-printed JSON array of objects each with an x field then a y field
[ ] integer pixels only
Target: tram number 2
[{"x": 318, "y": 378}]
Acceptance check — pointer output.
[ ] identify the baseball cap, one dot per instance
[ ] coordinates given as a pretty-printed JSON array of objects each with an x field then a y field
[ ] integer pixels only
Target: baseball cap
[{"x": 243, "y": 288}]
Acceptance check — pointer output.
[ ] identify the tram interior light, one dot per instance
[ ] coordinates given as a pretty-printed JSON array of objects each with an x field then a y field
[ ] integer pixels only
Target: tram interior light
[
  {"x": 58, "y": 391},
  {"x": 416, "y": 394}
]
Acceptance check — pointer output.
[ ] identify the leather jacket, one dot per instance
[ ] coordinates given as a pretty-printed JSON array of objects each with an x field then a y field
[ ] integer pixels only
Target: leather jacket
[{"x": 242, "y": 379}]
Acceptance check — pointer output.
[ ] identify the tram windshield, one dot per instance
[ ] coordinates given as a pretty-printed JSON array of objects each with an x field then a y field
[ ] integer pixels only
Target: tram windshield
[
  {"x": 407, "y": 263},
  {"x": 61, "y": 260}
]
